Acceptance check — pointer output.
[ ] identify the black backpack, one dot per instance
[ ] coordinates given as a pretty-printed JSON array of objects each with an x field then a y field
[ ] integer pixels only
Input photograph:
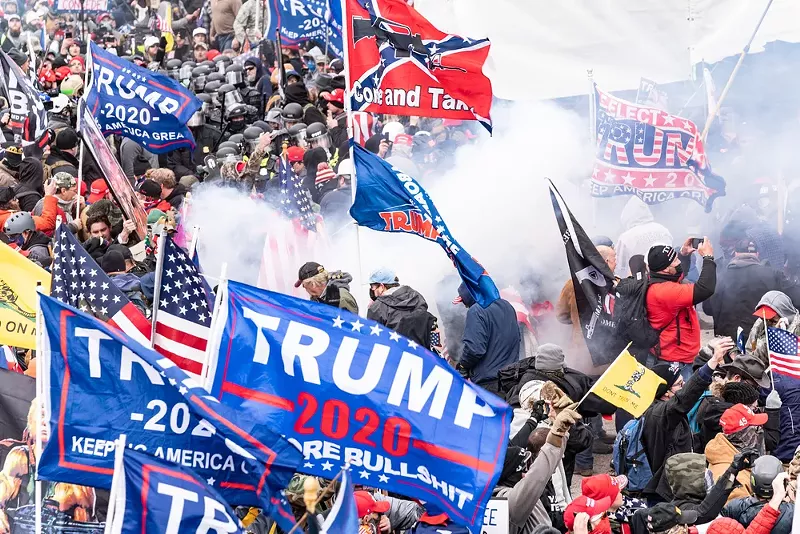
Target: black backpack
[{"x": 630, "y": 312}]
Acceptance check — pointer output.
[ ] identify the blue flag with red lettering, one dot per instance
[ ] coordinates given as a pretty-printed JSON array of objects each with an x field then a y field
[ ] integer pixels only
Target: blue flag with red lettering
[
  {"x": 349, "y": 390},
  {"x": 99, "y": 384},
  {"x": 388, "y": 200},
  {"x": 159, "y": 496}
]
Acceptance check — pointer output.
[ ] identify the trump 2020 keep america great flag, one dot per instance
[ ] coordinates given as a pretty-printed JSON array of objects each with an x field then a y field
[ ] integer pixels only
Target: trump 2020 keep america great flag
[{"x": 400, "y": 63}]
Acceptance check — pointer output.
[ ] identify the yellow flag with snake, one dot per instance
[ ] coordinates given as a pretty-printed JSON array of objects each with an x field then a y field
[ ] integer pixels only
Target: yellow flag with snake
[{"x": 18, "y": 277}]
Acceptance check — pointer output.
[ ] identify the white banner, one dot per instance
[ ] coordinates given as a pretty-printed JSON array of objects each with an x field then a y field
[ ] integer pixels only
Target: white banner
[
  {"x": 495, "y": 518},
  {"x": 75, "y": 5}
]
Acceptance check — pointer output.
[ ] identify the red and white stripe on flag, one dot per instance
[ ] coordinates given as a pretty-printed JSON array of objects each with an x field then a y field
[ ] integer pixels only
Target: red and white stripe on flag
[
  {"x": 364, "y": 126},
  {"x": 184, "y": 342},
  {"x": 9, "y": 360},
  {"x": 287, "y": 247},
  {"x": 785, "y": 364},
  {"x": 133, "y": 323}
]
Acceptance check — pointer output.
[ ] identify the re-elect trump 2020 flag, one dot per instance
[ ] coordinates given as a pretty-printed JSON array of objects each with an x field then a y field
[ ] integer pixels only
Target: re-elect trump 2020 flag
[
  {"x": 349, "y": 390},
  {"x": 391, "y": 201},
  {"x": 99, "y": 384},
  {"x": 150, "y": 108},
  {"x": 307, "y": 20},
  {"x": 152, "y": 495}
]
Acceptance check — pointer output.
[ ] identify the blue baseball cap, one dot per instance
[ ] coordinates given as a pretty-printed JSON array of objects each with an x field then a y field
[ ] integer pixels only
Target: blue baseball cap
[{"x": 384, "y": 275}]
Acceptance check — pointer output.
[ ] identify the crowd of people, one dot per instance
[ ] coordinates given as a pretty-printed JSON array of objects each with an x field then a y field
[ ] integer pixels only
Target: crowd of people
[{"x": 718, "y": 446}]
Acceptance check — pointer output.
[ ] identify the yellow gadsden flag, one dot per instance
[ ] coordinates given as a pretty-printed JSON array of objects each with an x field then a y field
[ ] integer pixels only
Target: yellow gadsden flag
[
  {"x": 628, "y": 384},
  {"x": 18, "y": 277}
]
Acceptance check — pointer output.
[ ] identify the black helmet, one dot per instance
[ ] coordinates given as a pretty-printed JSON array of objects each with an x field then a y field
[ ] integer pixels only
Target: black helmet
[
  {"x": 221, "y": 62},
  {"x": 198, "y": 118},
  {"x": 199, "y": 78},
  {"x": 235, "y": 74},
  {"x": 229, "y": 95},
  {"x": 174, "y": 68},
  {"x": 263, "y": 125},
  {"x": 251, "y": 136},
  {"x": 765, "y": 469},
  {"x": 229, "y": 144},
  {"x": 212, "y": 88},
  {"x": 298, "y": 133},
  {"x": 292, "y": 112},
  {"x": 226, "y": 154},
  {"x": 236, "y": 138},
  {"x": 185, "y": 73},
  {"x": 210, "y": 64},
  {"x": 205, "y": 98},
  {"x": 215, "y": 76}
]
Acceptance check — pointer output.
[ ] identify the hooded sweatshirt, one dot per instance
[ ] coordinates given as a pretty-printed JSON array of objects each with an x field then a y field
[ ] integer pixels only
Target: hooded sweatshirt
[
  {"x": 297, "y": 93},
  {"x": 396, "y": 303},
  {"x": 30, "y": 189},
  {"x": 337, "y": 292},
  {"x": 720, "y": 453},
  {"x": 641, "y": 233}
]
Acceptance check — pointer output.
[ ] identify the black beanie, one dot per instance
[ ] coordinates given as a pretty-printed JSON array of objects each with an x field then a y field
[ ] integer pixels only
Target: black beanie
[
  {"x": 113, "y": 262},
  {"x": 669, "y": 372},
  {"x": 66, "y": 139},
  {"x": 660, "y": 257},
  {"x": 739, "y": 393}
]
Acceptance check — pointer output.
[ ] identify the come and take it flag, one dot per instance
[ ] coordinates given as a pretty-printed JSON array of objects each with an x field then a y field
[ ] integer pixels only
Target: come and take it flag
[
  {"x": 99, "y": 384},
  {"x": 183, "y": 317},
  {"x": 401, "y": 64},
  {"x": 80, "y": 282},
  {"x": 27, "y": 116},
  {"x": 647, "y": 152},
  {"x": 348, "y": 389},
  {"x": 18, "y": 279},
  {"x": 151, "y": 495},
  {"x": 388, "y": 200},
  {"x": 150, "y": 108},
  {"x": 594, "y": 284},
  {"x": 627, "y": 384}
]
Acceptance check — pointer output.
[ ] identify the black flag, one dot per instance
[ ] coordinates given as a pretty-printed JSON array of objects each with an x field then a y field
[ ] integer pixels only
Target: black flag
[
  {"x": 28, "y": 118},
  {"x": 594, "y": 285}
]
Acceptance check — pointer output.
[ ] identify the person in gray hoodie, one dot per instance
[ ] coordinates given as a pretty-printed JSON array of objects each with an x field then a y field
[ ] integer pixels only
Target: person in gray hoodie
[{"x": 391, "y": 302}]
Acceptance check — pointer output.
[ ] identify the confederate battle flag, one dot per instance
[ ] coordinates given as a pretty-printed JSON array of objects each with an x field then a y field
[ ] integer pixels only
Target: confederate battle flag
[{"x": 401, "y": 64}]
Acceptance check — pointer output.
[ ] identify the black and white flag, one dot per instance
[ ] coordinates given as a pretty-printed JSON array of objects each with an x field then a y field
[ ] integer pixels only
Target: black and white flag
[{"x": 28, "y": 118}]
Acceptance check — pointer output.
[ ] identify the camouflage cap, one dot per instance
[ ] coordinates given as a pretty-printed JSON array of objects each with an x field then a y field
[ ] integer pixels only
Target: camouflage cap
[
  {"x": 685, "y": 474},
  {"x": 64, "y": 180}
]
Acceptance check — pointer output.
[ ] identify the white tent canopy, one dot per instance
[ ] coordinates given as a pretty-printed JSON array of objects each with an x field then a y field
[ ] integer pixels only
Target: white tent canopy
[{"x": 543, "y": 49}]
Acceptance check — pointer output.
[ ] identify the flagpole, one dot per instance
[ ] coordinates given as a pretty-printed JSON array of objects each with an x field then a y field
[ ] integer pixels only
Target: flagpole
[
  {"x": 117, "y": 479},
  {"x": 745, "y": 50},
  {"x": 193, "y": 243},
  {"x": 349, "y": 112},
  {"x": 769, "y": 356},
  {"x": 603, "y": 375},
  {"x": 157, "y": 290},
  {"x": 311, "y": 505},
  {"x": 40, "y": 371},
  {"x": 592, "y": 133},
  {"x": 212, "y": 340},
  {"x": 83, "y": 144},
  {"x": 281, "y": 68}
]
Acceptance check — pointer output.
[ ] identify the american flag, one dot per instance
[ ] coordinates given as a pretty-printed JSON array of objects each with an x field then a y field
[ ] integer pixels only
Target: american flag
[
  {"x": 783, "y": 352},
  {"x": 365, "y": 125},
  {"x": 80, "y": 282},
  {"x": 644, "y": 151},
  {"x": 9, "y": 360},
  {"x": 183, "y": 318},
  {"x": 295, "y": 203}
]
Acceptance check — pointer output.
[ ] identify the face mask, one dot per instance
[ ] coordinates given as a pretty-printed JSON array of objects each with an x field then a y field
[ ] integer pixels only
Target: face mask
[
  {"x": 312, "y": 67},
  {"x": 372, "y": 294},
  {"x": 679, "y": 270},
  {"x": 20, "y": 240}
]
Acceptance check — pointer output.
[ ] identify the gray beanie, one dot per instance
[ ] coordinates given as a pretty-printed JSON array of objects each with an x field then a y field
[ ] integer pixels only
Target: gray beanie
[{"x": 549, "y": 357}]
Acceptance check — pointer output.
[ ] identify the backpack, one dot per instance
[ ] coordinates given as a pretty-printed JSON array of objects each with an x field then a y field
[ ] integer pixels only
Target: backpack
[
  {"x": 628, "y": 457},
  {"x": 630, "y": 312},
  {"x": 50, "y": 170},
  {"x": 508, "y": 377}
]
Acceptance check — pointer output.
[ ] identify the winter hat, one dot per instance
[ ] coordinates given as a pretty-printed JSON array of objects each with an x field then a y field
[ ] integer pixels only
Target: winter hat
[
  {"x": 80, "y": 60},
  {"x": 660, "y": 257},
  {"x": 725, "y": 525},
  {"x": 670, "y": 373},
  {"x": 602, "y": 486},
  {"x": 13, "y": 157},
  {"x": 738, "y": 417},
  {"x": 66, "y": 139},
  {"x": 739, "y": 393},
  {"x": 18, "y": 57},
  {"x": 324, "y": 174},
  {"x": 549, "y": 357},
  {"x": 587, "y": 505},
  {"x": 154, "y": 216},
  {"x": 112, "y": 262}
]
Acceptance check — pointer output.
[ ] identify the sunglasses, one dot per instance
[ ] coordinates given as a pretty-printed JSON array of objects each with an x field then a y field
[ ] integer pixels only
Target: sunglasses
[{"x": 249, "y": 68}]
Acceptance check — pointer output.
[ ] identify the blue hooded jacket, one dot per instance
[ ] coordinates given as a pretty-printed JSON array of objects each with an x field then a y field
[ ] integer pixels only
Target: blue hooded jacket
[{"x": 491, "y": 337}]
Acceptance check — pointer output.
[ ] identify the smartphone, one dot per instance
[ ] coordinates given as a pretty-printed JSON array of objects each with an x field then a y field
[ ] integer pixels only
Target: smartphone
[
  {"x": 67, "y": 35},
  {"x": 696, "y": 242}
]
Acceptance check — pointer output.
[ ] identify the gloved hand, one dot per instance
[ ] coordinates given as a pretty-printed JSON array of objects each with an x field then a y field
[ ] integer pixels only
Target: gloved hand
[
  {"x": 744, "y": 460},
  {"x": 538, "y": 412},
  {"x": 563, "y": 402},
  {"x": 565, "y": 420},
  {"x": 774, "y": 400}
]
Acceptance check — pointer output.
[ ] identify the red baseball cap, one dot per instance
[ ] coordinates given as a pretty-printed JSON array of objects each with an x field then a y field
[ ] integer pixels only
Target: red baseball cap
[
  {"x": 46, "y": 75},
  {"x": 765, "y": 311},
  {"x": 295, "y": 153},
  {"x": 62, "y": 72},
  {"x": 366, "y": 504},
  {"x": 98, "y": 191},
  {"x": 739, "y": 417},
  {"x": 212, "y": 54},
  {"x": 337, "y": 95},
  {"x": 600, "y": 486},
  {"x": 585, "y": 504},
  {"x": 403, "y": 140},
  {"x": 80, "y": 60}
]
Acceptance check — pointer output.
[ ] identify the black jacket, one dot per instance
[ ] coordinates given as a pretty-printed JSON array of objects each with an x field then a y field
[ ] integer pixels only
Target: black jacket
[
  {"x": 178, "y": 161},
  {"x": 175, "y": 198},
  {"x": 390, "y": 308},
  {"x": 666, "y": 429},
  {"x": 711, "y": 410},
  {"x": 739, "y": 288},
  {"x": 57, "y": 156}
]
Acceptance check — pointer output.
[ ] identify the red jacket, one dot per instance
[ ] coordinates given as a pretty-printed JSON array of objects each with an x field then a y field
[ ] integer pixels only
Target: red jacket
[{"x": 669, "y": 307}]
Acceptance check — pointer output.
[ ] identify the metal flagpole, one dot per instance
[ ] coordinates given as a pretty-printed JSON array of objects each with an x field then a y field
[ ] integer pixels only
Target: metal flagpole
[
  {"x": 83, "y": 145},
  {"x": 117, "y": 479},
  {"x": 222, "y": 287},
  {"x": 281, "y": 68},
  {"x": 769, "y": 356},
  {"x": 157, "y": 291},
  {"x": 193, "y": 243},
  {"x": 745, "y": 50},
  {"x": 40, "y": 376}
]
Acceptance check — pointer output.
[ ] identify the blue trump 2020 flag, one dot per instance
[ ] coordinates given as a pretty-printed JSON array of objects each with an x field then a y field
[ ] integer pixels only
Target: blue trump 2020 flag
[
  {"x": 305, "y": 20},
  {"x": 152, "y": 495},
  {"x": 349, "y": 390},
  {"x": 150, "y": 108},
  {"x": 99, "y": 384},
  {"x": 388, "y": 200}
]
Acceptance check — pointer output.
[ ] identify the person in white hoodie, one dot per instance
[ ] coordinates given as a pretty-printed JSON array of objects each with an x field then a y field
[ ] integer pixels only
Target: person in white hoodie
[{"x": 641, "y": 233}]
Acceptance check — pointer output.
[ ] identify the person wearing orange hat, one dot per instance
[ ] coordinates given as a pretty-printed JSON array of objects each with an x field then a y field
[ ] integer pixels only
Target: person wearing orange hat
[
  {"x": 741, "y": 429},
  {"x": 594, "y": 515}
]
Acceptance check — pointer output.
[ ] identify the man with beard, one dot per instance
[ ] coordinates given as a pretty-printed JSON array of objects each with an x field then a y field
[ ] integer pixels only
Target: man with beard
[
  {"x": 12, "y": 37},
  {"x": 259, "y": 88}
]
